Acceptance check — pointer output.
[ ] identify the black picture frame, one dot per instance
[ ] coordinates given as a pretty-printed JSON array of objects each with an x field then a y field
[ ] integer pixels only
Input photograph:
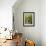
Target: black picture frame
[{"x": 28, "y": 19}]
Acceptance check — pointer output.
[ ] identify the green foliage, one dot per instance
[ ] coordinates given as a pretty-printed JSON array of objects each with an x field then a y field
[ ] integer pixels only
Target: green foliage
[{"x": 28, "y": 19}]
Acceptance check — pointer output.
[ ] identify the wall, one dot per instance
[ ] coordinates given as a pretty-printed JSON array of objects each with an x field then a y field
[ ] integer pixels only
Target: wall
[
  {"x": 33, "y": 33},
  {"x": 43, "y": 22},
  {"x": 6, "y": 13}
]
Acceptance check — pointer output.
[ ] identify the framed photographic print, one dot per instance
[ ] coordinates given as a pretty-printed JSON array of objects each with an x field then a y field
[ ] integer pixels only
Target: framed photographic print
[{"x": 28, "y": 19}]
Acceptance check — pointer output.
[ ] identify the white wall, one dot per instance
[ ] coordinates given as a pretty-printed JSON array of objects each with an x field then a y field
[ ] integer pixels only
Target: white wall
[
  {"x": 43, "y": 22},
  {"x": 33, "y": 33},
  {"x": 6, "y": 13}
]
